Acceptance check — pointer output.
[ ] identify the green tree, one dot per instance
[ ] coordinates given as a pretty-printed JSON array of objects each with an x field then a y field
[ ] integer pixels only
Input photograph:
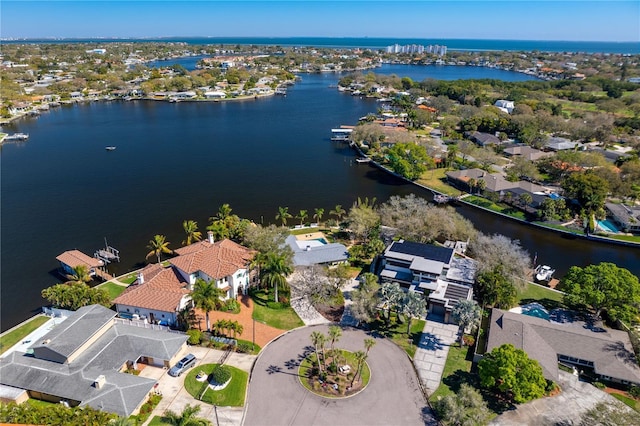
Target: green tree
[
  {"x": 466, "y": 407},
  {"x": 283, "y": 214},
  {"x": 206, "y": 296},
  {"x": 157, "y": 246},
  {"x": 317, "y": 339},
  {"x": 413, "y": 306},
  {"x": 368, "y": 344},
  {"x": 361, "y": 358},
  {"x": 525, "y": 199},
  {"x": 317, "y": 214},
  {"x": 186, "y": 418},
  {"x": 334, "y": 335},
  {"x": 302, "y": 215},
  {"x": 603, "y": 287},
  {"x": 511, "y": 372},
  {"x": 466, "y": 314},
  {"x": 75, "y": 295},
  {"x": 588, "y": 189},
  {"x": 494, "y": 288},
  {"x": 390, "y": 298},
  {"x": 190, "y": 228},
  {"x": 274, "y": 270},
  {"x": 363, "y": 219},
  {"x": 80, "y": 275},
  {"x": 409, "y": 160},
  {"x": 338, "y": 212},
  {"x": 365, "y": 299}
]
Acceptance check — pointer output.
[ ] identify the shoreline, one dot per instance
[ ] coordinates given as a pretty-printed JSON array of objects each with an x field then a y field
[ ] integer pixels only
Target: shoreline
[{"x": 567, "y": 234}]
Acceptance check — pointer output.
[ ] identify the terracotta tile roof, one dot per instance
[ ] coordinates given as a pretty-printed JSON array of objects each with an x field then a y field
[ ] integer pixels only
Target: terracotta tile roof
[
  {"x": 217, "y": 260},
  {"x": 161, "y": 290},
  {"x": 74, "y": 258}
]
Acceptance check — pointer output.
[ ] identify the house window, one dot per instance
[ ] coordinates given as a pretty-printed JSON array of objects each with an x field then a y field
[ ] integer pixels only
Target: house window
[
  {"x": 127, "y": 309},
  {"x": 162, "y": 315}
]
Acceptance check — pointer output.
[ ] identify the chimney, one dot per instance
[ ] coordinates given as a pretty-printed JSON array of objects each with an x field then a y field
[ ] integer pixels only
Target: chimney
[
  {"x": 99, "y": 381},
  {"x": 140, "y": 278},
  {"x": 210, "y": 237}
]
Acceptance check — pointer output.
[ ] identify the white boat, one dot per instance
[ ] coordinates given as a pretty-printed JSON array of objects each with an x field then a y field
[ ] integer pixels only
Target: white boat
[
  {"x": 17, "y": 137},
  {"x": 363, "y": 160},
  {"x": 110, "y": 148},
  {"x": 544, "y": 272}
]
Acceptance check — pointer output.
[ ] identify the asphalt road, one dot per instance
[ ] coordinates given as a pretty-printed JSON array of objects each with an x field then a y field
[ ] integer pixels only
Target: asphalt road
[{"x": 276, "y": 396}]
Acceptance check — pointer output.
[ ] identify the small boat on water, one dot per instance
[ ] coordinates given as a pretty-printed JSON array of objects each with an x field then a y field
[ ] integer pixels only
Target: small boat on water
[
  {"x": 441, "y": 198},
  {"x": 363, "y": 160},
  {"x": 544, "y": 273},
  {"x": 17, "y": 137},
  {"x": 110, "y": 148}
]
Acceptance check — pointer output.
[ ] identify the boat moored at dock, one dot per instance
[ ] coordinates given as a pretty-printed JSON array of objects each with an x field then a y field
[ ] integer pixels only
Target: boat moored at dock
[
  {"x": 544, "y": 273},
  {"x": 17, "y": 137}
]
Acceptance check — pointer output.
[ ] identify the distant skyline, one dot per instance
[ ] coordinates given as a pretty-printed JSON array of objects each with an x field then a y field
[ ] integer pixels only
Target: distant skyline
[{"x": 500, "y": 20}]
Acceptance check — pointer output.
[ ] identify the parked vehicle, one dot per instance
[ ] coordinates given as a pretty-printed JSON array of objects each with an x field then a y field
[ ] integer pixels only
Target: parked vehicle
[{"x": 183, "y": 365}]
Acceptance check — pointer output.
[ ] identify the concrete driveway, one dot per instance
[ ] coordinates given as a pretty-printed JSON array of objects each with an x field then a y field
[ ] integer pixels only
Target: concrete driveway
[
  {"x": 175, "y": 396},
  {"x": 276, "y": 396}
]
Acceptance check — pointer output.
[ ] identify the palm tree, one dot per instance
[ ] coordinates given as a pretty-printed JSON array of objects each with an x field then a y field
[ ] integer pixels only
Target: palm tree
[
  {"x": 187, "y": 317},
  {"x": 318, "y": 213},
  {"x": 157, "y": 246},
  {"x": 283, "y": 215},
  {"x": 303, "y": 216},
  {"x": 316, "y": 339},
  {"x": 390, "y": 296},
  {"x": 334, "y": 334},
  {"x": 472, "y": 184},
  {"x": 224, "y": 211},
  {"x": 361, "y": 358},
  {"x": 80, "y": 275},
  {"x": 206, "y": 296},
  {"x": 525, "y": 200},
  {"x": 237, "y": 329},
  {"x": 338, "y": 212},
  {"x": 466, "y": 314},
  {"x": 121, "y": 421},
  {"x": 219, "y": 229},
  {"x": 186, "y": 418},
  {"x": 191, "y": 230},
  {"x": 481, "y": 184},
  {"x": 368, "y": 344},
  {"x": 274, "y": 271}
]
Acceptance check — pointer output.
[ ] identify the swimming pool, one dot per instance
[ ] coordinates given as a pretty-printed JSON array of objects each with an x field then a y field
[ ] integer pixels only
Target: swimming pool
[
  {"x": 607, "y": 226},
  {"x": 321, "y": 240},
  {"x": 535, "y": 310}
]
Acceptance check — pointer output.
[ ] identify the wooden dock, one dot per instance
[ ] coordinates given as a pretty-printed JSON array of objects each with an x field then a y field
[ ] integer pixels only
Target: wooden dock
[{"x": 104, "y": 275}]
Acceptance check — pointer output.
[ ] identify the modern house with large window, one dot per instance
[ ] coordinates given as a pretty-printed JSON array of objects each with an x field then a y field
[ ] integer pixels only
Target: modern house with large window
[{"x": 435, "y": 271}]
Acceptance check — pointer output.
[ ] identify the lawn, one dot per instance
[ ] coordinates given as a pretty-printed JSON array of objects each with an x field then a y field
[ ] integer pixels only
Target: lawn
[
  {"x": 545, "y": 296},
  {"x": 159, "y": 421},
  {"x": 304, "y": 231},
  {"x": 128, "y": 279},
  {"x": 267, "y": 312},
  {"x": 488, "y": 204},
  {"x": 113, "y": 289},
  {"x": 17, "y": 335},
  {"x": 629, "y": 401},
  {"x": 456, "y": 370},
  {"x": 435, "y": 179},
  {"x": 231, "y": 396},
  {"x": 343, "y": 381},
  {"x": 397, "y": 332}
]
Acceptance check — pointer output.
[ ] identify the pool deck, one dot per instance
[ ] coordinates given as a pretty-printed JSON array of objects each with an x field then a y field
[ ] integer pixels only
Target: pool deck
[
  {"x": 310, "y": 236},
  {"x": 34, "y": 336}
]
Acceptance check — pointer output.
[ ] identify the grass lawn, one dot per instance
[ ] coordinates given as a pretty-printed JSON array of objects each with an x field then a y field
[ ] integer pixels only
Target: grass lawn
[
  {"x": 628, "y": 401},
  {"x": 397, "y": 332},
  {"x": 113, "y": 289},
  {"x": 435, "y": 179},
  {"x": 456, "y": 369},
  {"x": 129, "y": 279},
  {"x": 488, "y": 204},
  {"x": 304, "y": 231},
  {"x": 231, "y": 396},
  {"x": 159, "y": 421},
  {"x": 349, "y": 359},
  {"x": 545, "y": 296},
  {"x": 283, "y": 318},
  {"x": 15, "y": 336}
]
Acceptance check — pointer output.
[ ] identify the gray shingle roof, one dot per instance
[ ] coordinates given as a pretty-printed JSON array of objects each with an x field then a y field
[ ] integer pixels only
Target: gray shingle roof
[
  {"x": 317, "y": 255},
  {"x": 67, "y": 337},
  {"x": 609, "y": 350},
  {"x": 122, "y": 393}
]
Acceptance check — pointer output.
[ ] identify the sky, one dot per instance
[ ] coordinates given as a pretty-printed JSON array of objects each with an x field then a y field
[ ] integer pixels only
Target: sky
[{"x": 575, "y": 20}]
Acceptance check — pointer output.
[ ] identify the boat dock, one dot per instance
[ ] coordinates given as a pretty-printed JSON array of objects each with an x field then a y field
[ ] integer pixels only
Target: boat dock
[{"x": 342, "y": 133}]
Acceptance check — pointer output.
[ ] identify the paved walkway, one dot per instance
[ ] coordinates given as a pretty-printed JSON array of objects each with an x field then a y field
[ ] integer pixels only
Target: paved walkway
[
  {"x": 347, "y": 317},
  {"x": 566, "y": 408},
  {"x": 176, "y": 397},
  {"x": 263, "y": 333},
  {"x": 303, "y": 307},
  {"x": 432, "y": 351}
]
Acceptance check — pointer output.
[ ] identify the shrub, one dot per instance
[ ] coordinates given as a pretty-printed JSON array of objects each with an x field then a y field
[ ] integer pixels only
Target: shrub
[
  {"x": 634, "y": 391},
  {"x": 468, "y": 340},
  {"x": 194, "y": 336},
  {"x": 599, "y": 385},
  {"x": 244, "y": 348},
  {"x": 231, "y": 305},
  {"x": 220, "y": 374}
]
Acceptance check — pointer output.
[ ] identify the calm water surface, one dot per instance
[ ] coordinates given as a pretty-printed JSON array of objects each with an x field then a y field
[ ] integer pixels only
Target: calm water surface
[{"x": 61, "y": 190}]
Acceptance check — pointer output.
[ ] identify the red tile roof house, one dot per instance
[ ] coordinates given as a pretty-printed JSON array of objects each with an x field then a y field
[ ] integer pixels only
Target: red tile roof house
[
  {"x": 73, "y": 258},
  {"x": 160, "y": 293}
]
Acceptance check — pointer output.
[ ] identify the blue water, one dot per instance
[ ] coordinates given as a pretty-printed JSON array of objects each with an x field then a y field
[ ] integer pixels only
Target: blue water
[
  {"x": 322, "y": 240},
  {"x": 535, "y": 310},
  {"x": 608, "y": 226},
  {"x": 379, "y": 43}
]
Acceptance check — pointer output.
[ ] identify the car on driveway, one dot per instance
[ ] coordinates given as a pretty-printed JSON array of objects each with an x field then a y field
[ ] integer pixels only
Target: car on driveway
[{"x": 183, "y": 365}]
